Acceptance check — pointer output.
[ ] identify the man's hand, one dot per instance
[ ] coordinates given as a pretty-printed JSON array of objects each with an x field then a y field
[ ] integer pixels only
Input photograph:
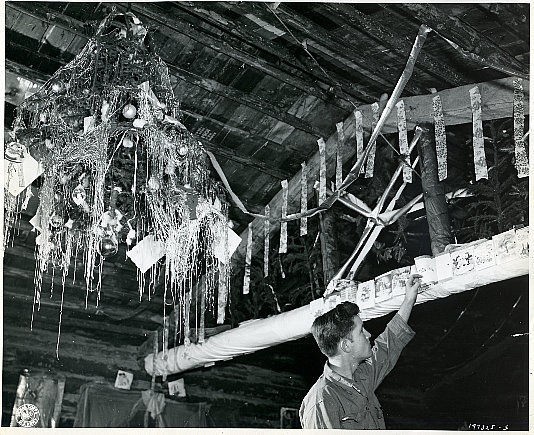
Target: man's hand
[{"x": 412, "y": 287}]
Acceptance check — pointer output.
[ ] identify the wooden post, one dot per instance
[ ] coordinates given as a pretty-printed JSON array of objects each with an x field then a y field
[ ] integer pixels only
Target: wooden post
[{"x": 433, "y": 193}]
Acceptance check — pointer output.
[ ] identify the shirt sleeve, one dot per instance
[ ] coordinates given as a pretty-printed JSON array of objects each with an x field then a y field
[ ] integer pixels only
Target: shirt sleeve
[
  {"x": 321, "y": 415},
  {"x": 387, "y": 349}
]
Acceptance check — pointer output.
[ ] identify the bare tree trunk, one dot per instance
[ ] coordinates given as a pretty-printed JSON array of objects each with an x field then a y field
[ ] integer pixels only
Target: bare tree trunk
[{"x": 433, "y": 193}]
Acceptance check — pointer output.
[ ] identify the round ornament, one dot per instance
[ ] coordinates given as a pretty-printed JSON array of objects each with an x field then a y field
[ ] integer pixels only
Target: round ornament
[
  {"x": 127, "y": 142},
  {"x": 79, "y": 195},
  {"x": 182, "y": 150},
  {"x": 57, "y": 86},
  {"x": 49, "y": 144},
  {"x": 108, "y": 246},
  {"x": 56, "y": 221},
  {"x": 129, "y": 111},
  {"x": 153, "y": 184}
]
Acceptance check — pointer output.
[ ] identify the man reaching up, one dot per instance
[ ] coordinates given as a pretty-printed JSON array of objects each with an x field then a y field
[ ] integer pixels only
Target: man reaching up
[{"x": 344, "y": 395}]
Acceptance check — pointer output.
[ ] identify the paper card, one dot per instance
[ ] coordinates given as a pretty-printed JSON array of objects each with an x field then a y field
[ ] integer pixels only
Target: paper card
[
  {"x": 36, "y": 220},
  {"x": 426, "y": 267},
  {"x": 353, "y": 293},
  {"x": 332, "y": 302},
  {"x": 463, "y": 260},
  {"x": 233, "y": 242},
  {"x": 146, "y": 253},
  {"x": 124, "y": 380},
  {"x": 18, "y": 176},
  {"x": 484, "y": 254},
  {"x": 317, "y": 307},
  {"x": 383, "y": 290},
  {"x": 344, "y": 294},
  {"x": 399, "y": 278},
  {"x": 505, "y": 245},
  {"x": 366, "y": 294},
  {"x": 443, "y": 266},
  {"x": 522, "y": 242},
  {"x": 177, "y": 388}
]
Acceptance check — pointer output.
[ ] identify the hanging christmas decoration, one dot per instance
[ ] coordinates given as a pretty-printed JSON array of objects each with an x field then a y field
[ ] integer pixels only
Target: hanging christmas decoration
[
  {"x": 403, "y": 141},
  {"x": 339, "y": 154},
  {"x": 283, "y": 225},
  {"x": 266, "y": 233},
  {"x": 479, "y": 156},
  {"x": 322, "y": 170},
  {"x": 441, "y": 138},
  {"x": 358, "y": 132},
  {"x": 248, "y": 261},
  {"x": 304, "y": 198},
  {"x": 104, "y": 116},
  {"x": 369, "y": 169},
  {"x": 521, "y": 158}
]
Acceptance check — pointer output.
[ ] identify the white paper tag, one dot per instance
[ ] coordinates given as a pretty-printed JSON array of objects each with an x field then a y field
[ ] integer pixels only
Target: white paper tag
[
  {"x": 18, "y": 176},
  {"x": 146, "y": 253},
  {"x": 177, "y": 388},
  {"x": 124, "y": 380},
  {"x": 383, "y": 290},
  {"x": 366, "y": 294}
]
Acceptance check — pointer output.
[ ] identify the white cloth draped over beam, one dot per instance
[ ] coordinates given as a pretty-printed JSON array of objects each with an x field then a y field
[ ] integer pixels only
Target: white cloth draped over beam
[{"x": 259, "y": 334}]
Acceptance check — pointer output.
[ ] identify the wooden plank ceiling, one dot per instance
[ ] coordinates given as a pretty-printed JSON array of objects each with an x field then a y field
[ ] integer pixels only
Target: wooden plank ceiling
[{"x": 258, "y": 84}]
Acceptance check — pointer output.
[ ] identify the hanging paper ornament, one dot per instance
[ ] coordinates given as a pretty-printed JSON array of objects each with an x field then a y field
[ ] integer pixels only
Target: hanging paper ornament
[
  {"x": 139, "y": 123},
  {"x": 521, "y": 158},
  {"x": 248, "y": 261},
  {"x": 129, "y": 111},
  {"x": 369, "y": 169},
  {"x": 403, "y": 142},
  {"x": 358, "y": 130},
  {"x": 339, "y": 154},
  {"x": 479, "y": 156},
  {"x": 104, "y": 111},
  {"x": 266, "y": 234},
  {"x": 304, "y": 198},
  {"x": 153, "y": 184},
  {"x": 441, "y": 138},
  {"x": 322, "y": 170},
  {"x": 283, "y": 225}
]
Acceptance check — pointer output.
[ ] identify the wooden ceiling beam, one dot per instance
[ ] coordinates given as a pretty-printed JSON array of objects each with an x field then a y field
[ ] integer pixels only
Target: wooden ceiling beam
[
  {"x": 245, "y": 34},
  {"x": 359, "y": 22},
  {"x": 461, "y": 34},
  {"x": 497, "y": 102},
  {"x": 334, "y": 47},
  {"x": 151, "y": 13},
  {"x": 250, "y": 100}
]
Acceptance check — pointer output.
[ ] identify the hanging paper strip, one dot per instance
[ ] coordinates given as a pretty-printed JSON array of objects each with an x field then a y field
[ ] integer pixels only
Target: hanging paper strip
[
  {"x": 403, "y": 142},
  {"x": 248, "y": 261},
  {"x": 267, "y": 232},
  {"x": 481, "y": 169},
  {"x": 521, "y": 159},
  {"x": 201, "y": 328},
  {"x": 222, "y": 295},
  {"x": 283, "y": 225},
  {"x": 304, "y": 198},
  {"x": 322, "y": 170},
  {"x": 441, "y": 138},
  {"x": 358, "y": 130},
  {"x": 369, "y": 169},
  {"x": 339, "y": 154}
]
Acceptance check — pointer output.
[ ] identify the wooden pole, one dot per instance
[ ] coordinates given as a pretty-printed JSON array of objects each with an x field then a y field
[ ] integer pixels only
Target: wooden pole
[{"x": 433, "y": 193}]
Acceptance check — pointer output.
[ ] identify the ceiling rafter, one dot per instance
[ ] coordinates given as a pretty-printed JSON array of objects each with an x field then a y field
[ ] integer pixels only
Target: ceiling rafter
[
  {"x": 376, "y": 29},
  {"x": 460, "y": 33},
  {"x": 331, "y": 45},
  {"x": 152, "y": 14},
  {"x": 287, "y": 56}
]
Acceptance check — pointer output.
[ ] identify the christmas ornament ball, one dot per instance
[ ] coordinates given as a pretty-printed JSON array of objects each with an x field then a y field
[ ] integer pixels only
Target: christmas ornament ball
[
  {"x": 129, "y": 111},
  {"x": 108, "y": 246},
  {"x": 49, "y": 144},
  {"x": 153, "y": 184},
  {"x": 127, "y": 142},
  {"x": 57, "y": 86},
  {"x": 182, "y": 150}
]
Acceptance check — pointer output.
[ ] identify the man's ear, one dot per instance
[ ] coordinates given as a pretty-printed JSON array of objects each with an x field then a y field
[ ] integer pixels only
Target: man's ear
[{"x": 344, "y": 345}]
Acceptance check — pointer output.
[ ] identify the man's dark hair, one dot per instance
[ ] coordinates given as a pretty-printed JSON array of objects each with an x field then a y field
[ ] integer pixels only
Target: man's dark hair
[{"x": 329, "y": 328}]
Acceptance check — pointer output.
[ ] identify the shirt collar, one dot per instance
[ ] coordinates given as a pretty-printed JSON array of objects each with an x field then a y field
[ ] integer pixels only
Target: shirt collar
[{"x": 336, "y": 377}]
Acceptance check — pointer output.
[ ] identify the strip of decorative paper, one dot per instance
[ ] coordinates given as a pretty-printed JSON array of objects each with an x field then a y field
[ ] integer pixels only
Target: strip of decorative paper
[
  {"x": 403, "y": 142},
  {"x": 322, "y": 170},
  {"x": 304, "y": 198},
  {"x": 283, "y": 225},
  {"x": 369, "y": 169},
  {"x": 248, "y": 261},
  {"x": 521, "y": 159},
  {"x": 479, "y": 157},
  {"x": 339, "y": 154},
  {"x": 222, "y": 294},
  {"x": 441, "y": 138},
  {"x": 358, "y": 130},
  {"x": 266, "y": 234}
]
